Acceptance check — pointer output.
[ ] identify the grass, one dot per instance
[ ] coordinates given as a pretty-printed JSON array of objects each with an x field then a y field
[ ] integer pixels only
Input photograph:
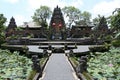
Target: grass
[
  {"x": 87, "y": 76},
  {"x": 43, "y": 60},
  {"x": 74, "y": 61},
  {"x": 32, "y": 75}
]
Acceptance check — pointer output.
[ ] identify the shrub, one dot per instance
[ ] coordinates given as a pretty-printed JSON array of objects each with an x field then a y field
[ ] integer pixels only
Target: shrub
[
  {"x": 108, "y": 39},
  {"x": 116, "y": 43},
  {"x": 117, "y": 36},
  {"x": 99, "y": 48},
  {"x": 106, "y": 65},
  {"x": 13, "y": 66},
  {"x": 2, "y": 39}
]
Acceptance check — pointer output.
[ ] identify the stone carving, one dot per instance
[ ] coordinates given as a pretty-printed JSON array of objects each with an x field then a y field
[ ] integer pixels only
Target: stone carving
[
  {"x": 36, "y": 64},
  {"x": 82, "y": 64},
  {"x": 57, "y": 25}
]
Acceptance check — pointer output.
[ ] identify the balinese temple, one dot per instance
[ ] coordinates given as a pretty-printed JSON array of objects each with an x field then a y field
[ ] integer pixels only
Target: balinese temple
[
  {"x": 81, "y": 29},
  {"x": 28, "y": 29},
  {"x": 57, "y": 25},
  {"x": 11, "y": 27},
  {"x": 12, "y": 24},
  {"x": 57, "y": 28}
]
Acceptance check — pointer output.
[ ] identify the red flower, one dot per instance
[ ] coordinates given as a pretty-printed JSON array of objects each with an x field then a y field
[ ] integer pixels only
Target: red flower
[{"x": 53, "y": 24}]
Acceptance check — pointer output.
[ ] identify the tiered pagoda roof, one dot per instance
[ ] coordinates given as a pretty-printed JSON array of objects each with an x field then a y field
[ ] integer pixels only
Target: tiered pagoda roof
[
  {"x": 12, "y": 24},
  {"x": 57, "y": 18}
]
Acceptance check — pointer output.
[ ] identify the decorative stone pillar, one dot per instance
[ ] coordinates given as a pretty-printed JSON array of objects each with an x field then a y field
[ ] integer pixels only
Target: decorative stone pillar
[
  {"x": 82, "y": 64},
  {"x": 36, "y": 64}
]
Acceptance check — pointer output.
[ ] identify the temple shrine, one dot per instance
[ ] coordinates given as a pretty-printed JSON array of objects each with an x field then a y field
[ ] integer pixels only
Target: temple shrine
[
  {"x": 10, "y": 30},
  {"x": 57, "y": 29},
  {"x": 57, "y": 25}
]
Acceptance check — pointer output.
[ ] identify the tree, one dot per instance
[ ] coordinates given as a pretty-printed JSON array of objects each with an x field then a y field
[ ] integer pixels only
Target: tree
[
  {"x": 72, "y": 13},
  {"x": 97, "y": 20},
  {"x": 84, "y": 18},
  {"x": 41, "y": 15},
  {"x": 115, "y": 20},
  {"x": 75, "y": 15},
  {"x": 2, "y": 21},
  {"x": 102, "y": 24}
]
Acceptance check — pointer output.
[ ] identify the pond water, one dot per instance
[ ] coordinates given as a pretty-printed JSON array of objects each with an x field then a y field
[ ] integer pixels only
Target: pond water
[{"x": 80, "y": 48}]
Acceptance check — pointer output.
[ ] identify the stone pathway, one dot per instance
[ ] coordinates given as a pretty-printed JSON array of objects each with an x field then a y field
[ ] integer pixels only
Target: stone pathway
[{"x": 58, "y": 68}]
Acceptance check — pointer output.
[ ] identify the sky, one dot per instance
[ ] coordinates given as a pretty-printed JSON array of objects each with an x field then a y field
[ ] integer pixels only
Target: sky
[{"x": 22, "y": 10}]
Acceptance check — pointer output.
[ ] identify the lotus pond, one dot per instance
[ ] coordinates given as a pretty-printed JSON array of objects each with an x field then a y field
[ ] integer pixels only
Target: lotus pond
[
  {"x": 105, "y": 65},
  {"x": 13, "y": 66}
]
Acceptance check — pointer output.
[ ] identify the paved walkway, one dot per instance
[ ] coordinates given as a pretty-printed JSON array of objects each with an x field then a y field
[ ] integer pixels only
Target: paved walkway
[{"x": 58, "y": 68}]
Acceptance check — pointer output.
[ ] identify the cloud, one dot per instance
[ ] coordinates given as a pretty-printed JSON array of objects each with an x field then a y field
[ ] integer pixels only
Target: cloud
[
  {"x": 105, "y": 8},
  {"x": 53, "y": 3},
  {"x": 12, "y": 1},
  {"x": 19, "y": 19}
]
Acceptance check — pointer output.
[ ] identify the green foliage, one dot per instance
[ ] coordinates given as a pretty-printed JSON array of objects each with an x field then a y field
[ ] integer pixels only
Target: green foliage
[
  {"x": 2, "y": 27},
  {"x": 84, "y": 19},
  {"x": 75, "y": 15},
  {"x": 74, "y": 61},
  {"x": 2, "y": 38},
  {"x": 2, "y": 20},
  {"x": 18, "y": 28},
  {"x": 85, "y": 16},
  {"x": 87, "y": 76},
  {"x": 13, "y": 66},
  {"x": 117, "y": 36},
  {"x": 43, "y": 60},
  {"x": 32, "y": 75},
  {"x": 105, "y": 66},
  {"x": 97, "y": 20},
  {"x": 72, "y": 13},
  {"x": 13, "y": 37},
  {"x": 109, "y": 37},
  {"x": 41, "y": 15},
  {"x": 115, "y": 20},
  {"x": 99, "y": 48},
  {"x": 116, "y": 43},
  {"x": 101, "y": 23}
]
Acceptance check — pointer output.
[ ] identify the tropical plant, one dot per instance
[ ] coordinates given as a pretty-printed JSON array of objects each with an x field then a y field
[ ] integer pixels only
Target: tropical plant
[
  {"x": 2, "y": 35},
  {"x": 115, "y": 20},
  {"x": 105, "y": 66},
  {"x": 117, "y": 36},
  {"x": 96, "y": 20},
  {"x": 116, "y": 43},
  {"x": 13, "y": 66}
]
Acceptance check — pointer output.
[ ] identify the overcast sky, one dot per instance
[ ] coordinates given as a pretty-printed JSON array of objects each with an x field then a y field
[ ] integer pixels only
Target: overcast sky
[{"x": 22, "y": 10}]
